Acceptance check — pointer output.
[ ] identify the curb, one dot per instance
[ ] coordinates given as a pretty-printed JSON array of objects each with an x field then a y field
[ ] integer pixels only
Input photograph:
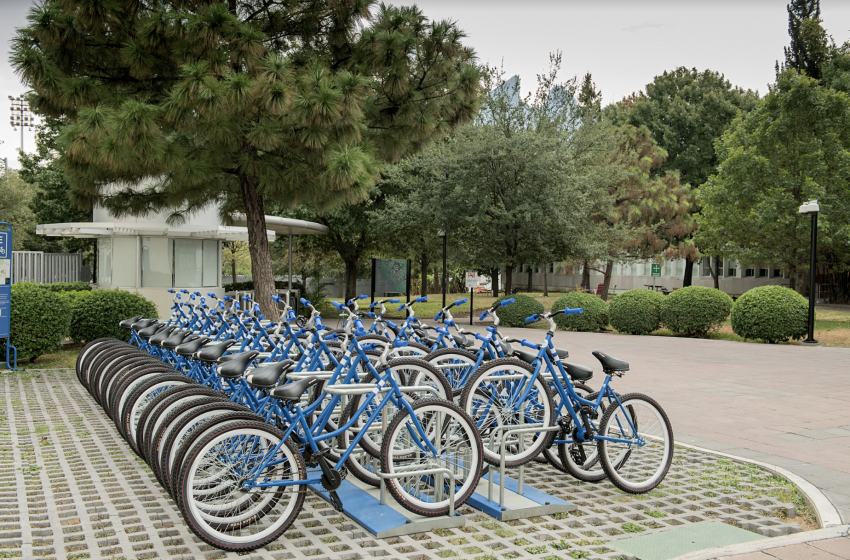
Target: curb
[
  {"x": 761, "y": 545},
  {"x": 827, "y": 515}
]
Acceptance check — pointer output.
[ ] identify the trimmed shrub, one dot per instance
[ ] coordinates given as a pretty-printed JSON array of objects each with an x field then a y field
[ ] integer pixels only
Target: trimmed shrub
[
  {"x": 636, "y": 311},
  {"x": 594, "y": 317},
  {"x": 38, "y": 320},
  {"x": 96, "y": 315},
  {"x": 515, "y": 314},
  {"x": 695, "y": 310},
  {"x": 771, "y": 313},
  {"x": 68, "y": 287}
]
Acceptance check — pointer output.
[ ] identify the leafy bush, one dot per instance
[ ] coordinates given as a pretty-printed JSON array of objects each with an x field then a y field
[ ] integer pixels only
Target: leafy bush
[
  {"x": 515, "y": 314},
  {"x": 68, "y": 287},
  {"x": 96, "y": 315},
  {"x": 636, "y": 311},
  {"x": 594, "y": 317},
  {"x": 771, "y": 313},
  {"x": 39, "y": 320},
  {"x": 695, "y": 310}
]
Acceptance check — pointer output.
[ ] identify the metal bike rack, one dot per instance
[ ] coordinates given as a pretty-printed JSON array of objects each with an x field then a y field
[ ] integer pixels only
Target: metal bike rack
[
  {"x": 373, "y": 508},
  {"x": 516, "y": 500}
]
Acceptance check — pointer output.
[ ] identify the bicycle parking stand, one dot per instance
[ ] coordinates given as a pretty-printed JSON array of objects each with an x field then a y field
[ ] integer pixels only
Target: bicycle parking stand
[
  {"x": 373, "y": 508},
  {"x": 516, "y": 499}
]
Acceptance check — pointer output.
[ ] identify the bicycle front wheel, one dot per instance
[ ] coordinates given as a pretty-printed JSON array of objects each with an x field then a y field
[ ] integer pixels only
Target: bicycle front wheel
[
  {"x": 212, "y": 495},
  {"x": 450, "y": 450},
  {"x": 635, "y": 443}
]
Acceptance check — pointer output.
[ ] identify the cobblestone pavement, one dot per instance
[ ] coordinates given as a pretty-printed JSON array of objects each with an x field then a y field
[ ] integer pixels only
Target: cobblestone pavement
[{"x": 70, "y": 488}]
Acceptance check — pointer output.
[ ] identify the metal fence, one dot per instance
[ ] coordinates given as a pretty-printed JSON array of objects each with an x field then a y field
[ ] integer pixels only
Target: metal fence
[{"x": 45, "y": 268}]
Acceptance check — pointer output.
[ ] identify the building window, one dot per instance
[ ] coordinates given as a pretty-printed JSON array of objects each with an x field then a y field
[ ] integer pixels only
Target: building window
[
  {"x": 680, "y": 267},
  {"x": 776, "y": 273},
  {"x": 188, "y": 263},
  {"x": 124, "y": 262},
  {"x": 551, "y": 268},
  {"x": 212, "y": 268},
  {"x": 762, "y": 273},
  {"x": 706, "y": 266},
  {"x": 749, "y": 271},
  {"x": 104, "y": 261},
  {"x": 731, "y": 269},
  {"x": 157, "y": 262}
]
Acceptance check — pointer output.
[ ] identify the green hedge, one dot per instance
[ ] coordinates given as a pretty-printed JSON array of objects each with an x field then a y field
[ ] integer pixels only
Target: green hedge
[
  {"x": 594, "y": 317},
  {"x": 695, "y": 310},
  {"x": 96, "y": 315},
  {"x": 770, "y": 313},
  {"x": 38, "y": 320},
  {"x": 68, "y": 287},
  {"x": 515, "y": 314},
  {"x": 636, "y": 311}
]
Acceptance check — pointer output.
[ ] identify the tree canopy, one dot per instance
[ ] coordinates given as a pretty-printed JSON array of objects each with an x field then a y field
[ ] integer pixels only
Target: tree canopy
[
  {"x": 240, "y": 101},
  {"x": 793, "y": 147}
]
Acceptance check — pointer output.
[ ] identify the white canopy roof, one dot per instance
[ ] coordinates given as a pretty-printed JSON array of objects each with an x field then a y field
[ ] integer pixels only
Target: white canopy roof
[
  {"x": 152, "y": 229},
  {"x": 287, "y": 226}
]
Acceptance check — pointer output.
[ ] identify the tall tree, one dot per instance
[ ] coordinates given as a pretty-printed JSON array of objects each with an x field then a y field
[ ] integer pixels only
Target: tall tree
[
  {"x": 53, "y": 201},
  {"x": 15, "y": 208},
  {"x": 809, "y": 47},
  {"x": 687, "y": 111},
  {"x": 648, "y": 215},
  {"x": 240, "y": 102},
  {"x": 794, "y": 147}
]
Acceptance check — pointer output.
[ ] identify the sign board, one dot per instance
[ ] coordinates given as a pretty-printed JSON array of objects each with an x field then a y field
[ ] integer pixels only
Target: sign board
[
  {"x": 471, "y": 280},
  {"x": 5, "y": 281},
  {"x": 656, "y": 270},
  {"x": 390, "y": 276}
]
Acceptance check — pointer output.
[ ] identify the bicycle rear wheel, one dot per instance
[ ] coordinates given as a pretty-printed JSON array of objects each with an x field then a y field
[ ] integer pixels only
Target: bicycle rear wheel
[{"x": 638, "y": 457}]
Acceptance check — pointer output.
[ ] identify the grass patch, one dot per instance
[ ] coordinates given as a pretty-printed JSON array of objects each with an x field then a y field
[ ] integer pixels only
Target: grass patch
[{"x": 632, "y": 528}]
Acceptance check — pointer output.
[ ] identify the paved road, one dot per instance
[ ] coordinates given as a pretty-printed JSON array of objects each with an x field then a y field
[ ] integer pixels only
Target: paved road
[{"x": 782, "y": 404}]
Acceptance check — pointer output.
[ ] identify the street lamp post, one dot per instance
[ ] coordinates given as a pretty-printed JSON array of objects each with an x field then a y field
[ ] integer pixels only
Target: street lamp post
[
  {"x": 21, "y": 116},
  {"x": 442, "y": 233},
  {"x": 812, "y": 207}
]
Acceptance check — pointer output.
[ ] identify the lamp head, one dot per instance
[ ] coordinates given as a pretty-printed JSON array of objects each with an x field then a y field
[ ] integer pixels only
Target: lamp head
[
  {"x": 810, "y": 207},
  {"x": 441, "y": 233}
]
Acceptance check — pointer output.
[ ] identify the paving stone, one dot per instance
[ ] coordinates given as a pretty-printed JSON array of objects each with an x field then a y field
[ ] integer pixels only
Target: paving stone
[{"x": 87, "y": 493}]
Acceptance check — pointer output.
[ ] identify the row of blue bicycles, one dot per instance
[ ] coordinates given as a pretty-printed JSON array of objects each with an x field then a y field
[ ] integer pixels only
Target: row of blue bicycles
[{"x": 238, "y": 415}]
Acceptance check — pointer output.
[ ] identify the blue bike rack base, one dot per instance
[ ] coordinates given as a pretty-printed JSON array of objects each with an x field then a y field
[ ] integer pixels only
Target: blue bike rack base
[
  {"x": 531, "y": 503},
  {"x": 362, "y": 503}
]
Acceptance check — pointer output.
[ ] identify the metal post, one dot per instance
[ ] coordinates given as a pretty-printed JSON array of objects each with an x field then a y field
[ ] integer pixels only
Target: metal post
[
  {"x": 374, "y": 271},
  {"x": 812, "y": 280},
  {"x": 408, "y": 286},
  {"x": 471, "y": 304},
  {"x": 445, "y": 238},
  {"x": 289, "y": 289}
]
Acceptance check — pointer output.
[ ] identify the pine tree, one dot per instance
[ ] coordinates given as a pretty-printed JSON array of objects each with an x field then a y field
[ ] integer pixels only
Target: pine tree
[
  {"x": 589, "y": 98},
  {"x": 809, "y": 46},
  {"x": 240, "y": 102}
]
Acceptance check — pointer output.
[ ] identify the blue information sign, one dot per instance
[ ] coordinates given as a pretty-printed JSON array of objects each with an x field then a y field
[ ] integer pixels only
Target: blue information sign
[{"x": 5, "y": 281}]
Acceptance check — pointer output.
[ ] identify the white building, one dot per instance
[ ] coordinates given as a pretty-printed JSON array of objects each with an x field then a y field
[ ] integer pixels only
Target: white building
[
  {"x": 148, "y": 256},
  {"x": 734, "y": 278}
]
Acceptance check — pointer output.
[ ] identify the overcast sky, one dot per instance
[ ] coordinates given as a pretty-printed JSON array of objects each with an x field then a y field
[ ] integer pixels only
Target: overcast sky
[{"x": 623, "y": 43}]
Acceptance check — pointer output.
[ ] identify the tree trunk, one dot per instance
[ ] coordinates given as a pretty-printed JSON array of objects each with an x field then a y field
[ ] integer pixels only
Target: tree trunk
[
  {"x": 606, "y": 280},
  {"x": 423, "y": 287},
  {"x": 340, "y": 285},
  {"x": 714, "y": 267},
  {"x": 792, "y": 277},
  {"x": 494, "y": 282},
  {"x": 689, "y": 272},
  {"x": 258, "y": 246},
  {"x": 585, "y": 275},
  {"x": 530, "y": 269},
  {"x": 350, "y": 278},
  {"x": 546, "y": 280},
  {"x": 509, "y": 280}
]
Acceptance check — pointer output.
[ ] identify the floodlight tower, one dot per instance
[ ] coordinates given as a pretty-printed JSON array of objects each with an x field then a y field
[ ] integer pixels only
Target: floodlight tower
[{"x": 21, "y": 116}]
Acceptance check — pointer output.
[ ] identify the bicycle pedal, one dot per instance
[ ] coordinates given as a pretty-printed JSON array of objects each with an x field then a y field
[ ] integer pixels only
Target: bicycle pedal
[
  {"x": 577, "y": 454},
  {"x": 337, "y": 503}
]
